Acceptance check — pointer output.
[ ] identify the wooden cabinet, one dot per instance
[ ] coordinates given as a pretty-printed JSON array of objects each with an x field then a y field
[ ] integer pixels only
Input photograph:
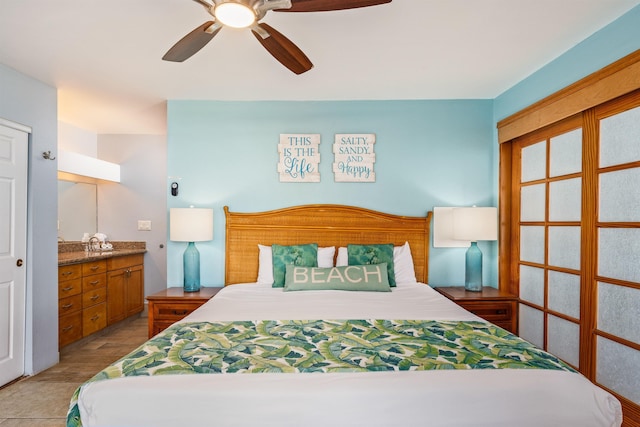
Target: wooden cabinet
[
  {"x": 94, "y": 296},
  {"x": 69, "y": 304},
  {"x": 82, "y": 296},
  {"x": 491, "y": 304},
  {"x": 172, "y": 304},
  {"x": 97, "y": 293},
  {"x": 125, "y": 287}
]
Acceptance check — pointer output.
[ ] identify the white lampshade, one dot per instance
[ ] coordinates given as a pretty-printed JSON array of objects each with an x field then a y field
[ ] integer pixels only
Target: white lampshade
[
  {"x": 473, "y": 224},
  {"x": 190, "y": 224}
]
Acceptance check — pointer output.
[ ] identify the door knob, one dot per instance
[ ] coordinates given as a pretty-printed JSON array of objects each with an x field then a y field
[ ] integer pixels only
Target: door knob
[{"x": 19, "y": 262}]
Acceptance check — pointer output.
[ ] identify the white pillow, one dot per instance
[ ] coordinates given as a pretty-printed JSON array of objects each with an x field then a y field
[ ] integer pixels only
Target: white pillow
[
  {"x": 402, "y": 263},
  {"x": 265, "y": 262}
]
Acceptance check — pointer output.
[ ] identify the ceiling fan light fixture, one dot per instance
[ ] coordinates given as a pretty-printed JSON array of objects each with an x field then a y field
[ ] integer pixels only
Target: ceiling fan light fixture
[{"x": 235, "y": 15}]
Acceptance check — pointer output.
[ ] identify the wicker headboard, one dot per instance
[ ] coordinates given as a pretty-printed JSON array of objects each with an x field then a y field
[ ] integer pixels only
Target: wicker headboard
[{"x": 326, "y": 225}]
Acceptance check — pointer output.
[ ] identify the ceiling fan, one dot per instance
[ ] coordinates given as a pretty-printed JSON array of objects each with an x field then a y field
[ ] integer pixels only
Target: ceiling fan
[{"x": 248, "y": 13}]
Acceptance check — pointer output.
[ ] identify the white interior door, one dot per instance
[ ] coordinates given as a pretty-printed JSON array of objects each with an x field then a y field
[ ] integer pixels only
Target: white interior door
[{"x": 13, "y": 238}]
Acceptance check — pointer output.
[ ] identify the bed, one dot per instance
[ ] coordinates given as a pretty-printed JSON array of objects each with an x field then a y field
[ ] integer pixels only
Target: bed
[{"x": 292, "y": 356}]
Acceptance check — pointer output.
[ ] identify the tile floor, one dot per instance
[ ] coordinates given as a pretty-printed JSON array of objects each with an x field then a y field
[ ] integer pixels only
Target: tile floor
[{"x": 42, "y": 400}]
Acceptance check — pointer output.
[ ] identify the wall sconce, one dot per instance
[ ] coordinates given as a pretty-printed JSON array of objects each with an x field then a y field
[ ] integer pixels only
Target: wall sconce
[
  {"x": 191, "y": 225},
  {"x": 474, "y": 224}
]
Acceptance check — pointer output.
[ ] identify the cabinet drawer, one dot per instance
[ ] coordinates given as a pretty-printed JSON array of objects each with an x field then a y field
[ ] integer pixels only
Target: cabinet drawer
[
  {"x": 174, "y": 311},
  {"x": 69, "y": 288},
  {"x": 94, "y": 318},
  {"x": 94, "y": 267},
  {"x": 119, "y": 262},
  {"x": 96, "y": 296},
  {"x": 95, "y": 281},
  {"x": 493, "y": 311},
  {"x": 505, "y": 325},
  {"x": 159, "y": 326},
  {"x": 69, "y": 304},
  {"x": 69, "y": 328},
  {"x": 69, "y": 272}
]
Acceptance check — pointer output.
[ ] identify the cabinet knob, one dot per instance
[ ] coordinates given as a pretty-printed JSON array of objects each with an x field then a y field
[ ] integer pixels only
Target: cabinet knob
[
  {"x": 67, "y": 329},
  {"x": 95, "y": 297},
  {"x": 67, "y": 289},
  {"x": 67, "y": 306}
]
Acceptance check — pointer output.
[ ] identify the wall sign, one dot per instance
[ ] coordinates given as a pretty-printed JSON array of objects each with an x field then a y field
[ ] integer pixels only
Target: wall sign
[
  {"x": 354, "y": 157},
  {"x": 299, "y": 158}
]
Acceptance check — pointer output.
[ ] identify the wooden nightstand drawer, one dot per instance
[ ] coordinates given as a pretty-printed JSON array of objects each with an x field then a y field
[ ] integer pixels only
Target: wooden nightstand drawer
[
  {"x": 159, "y": 326},
  {"x": 508, "y": 325},
  {"x": 173, "y": 311},
  {"x": 173, "y": 304},
  {"x": 493, "y": 311},
  {"x": 491, "y": 304}
]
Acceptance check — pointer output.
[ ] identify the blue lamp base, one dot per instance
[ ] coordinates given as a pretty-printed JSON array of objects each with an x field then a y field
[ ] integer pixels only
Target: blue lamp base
[
  {"x": 191, "y": 261},
  {"x": 473, "y": 268}
]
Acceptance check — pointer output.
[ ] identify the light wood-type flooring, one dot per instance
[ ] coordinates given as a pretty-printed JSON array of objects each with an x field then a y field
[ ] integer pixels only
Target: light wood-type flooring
[{"x": 43, "y": 399}]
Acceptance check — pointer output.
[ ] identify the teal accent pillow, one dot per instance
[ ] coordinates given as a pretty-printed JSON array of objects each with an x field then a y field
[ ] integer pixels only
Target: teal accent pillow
[
  {"x": 300, "y": 255},
  {"x": 372, "y": 278},
  {"x": 373, "y": 254}
]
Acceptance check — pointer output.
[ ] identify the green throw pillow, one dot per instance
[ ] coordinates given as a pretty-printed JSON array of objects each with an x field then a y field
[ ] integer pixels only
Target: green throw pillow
[
  {"x": 348, "y": 278},
  {"x": 300, "y": 255},
  {"x": 373, "y": 254}
]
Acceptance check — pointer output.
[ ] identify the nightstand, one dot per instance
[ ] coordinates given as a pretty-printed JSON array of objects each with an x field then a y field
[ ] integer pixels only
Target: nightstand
[
  {"x": 172, "y": 304},
  {"x": 491, "y": 304}
]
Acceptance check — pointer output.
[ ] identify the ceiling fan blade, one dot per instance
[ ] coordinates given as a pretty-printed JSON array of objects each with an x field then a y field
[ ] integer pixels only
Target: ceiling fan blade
[
  {"x": 192, "y": 42},
  {"x": 282, "y": 48},
  {"x": 327, "y": 5}
]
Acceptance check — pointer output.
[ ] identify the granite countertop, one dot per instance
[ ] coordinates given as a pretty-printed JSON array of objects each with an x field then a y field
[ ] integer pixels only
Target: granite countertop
[
  {"x": 73, "y": 253},
  {"x": 77, "y": 257}
]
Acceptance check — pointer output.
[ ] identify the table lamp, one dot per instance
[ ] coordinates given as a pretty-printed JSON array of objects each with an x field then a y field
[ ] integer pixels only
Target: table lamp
[
  {"x": 191, "y": 225},
  {"x": 474, "y": 224}
]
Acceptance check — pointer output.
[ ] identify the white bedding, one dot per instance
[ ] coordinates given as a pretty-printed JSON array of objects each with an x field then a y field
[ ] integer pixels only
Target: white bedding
[
  {"x": 262, "y": 302},
  {"x": 504, "y": 397}
]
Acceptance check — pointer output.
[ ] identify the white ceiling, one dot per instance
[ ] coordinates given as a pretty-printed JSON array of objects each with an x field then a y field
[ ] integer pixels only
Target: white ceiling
[{"x": 104, "y": 56}]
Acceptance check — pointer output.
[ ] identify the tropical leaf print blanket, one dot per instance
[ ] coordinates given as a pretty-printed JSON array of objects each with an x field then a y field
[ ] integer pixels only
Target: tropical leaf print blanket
[{"x": 314, "y": 346}]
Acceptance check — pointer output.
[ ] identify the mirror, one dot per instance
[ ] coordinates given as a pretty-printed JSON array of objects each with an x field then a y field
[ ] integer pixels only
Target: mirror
[{"x": 77, "y": 210}]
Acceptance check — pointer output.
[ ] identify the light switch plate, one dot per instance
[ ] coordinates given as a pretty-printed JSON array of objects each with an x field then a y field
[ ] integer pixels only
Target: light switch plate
[{"x": 144, "y": 225}]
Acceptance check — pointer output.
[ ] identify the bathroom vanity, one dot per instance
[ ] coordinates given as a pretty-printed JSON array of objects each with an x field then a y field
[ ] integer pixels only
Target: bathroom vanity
[{"x": 97, "y": 289}]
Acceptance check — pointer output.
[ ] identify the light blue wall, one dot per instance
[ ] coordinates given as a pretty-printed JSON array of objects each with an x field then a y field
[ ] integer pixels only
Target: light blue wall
[
  {"x": 611, "y": 43},
  {"x": 34, "y": 104},
  {"x": 428, "y": 153},
  {"x": 618, "y": 39}
]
